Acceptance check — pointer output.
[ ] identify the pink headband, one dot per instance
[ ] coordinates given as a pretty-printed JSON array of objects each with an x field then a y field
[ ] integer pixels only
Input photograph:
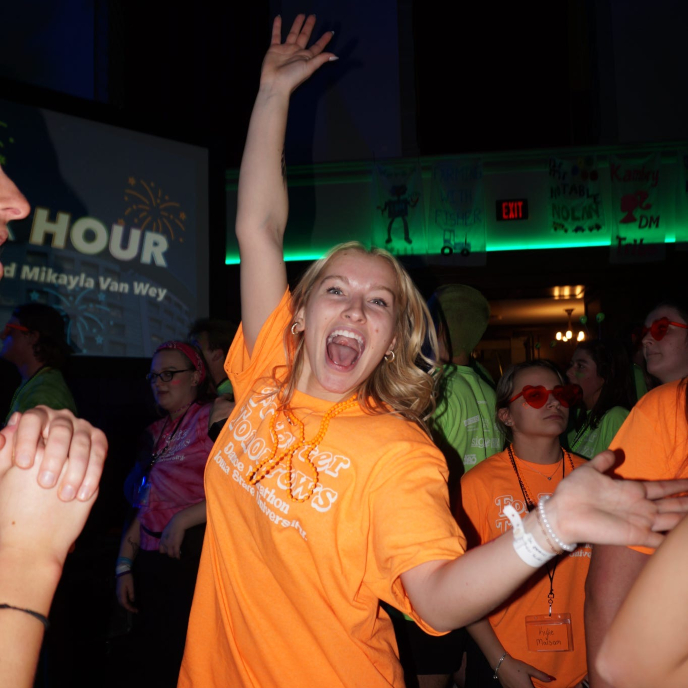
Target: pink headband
[{"x": 189, "y": 352}]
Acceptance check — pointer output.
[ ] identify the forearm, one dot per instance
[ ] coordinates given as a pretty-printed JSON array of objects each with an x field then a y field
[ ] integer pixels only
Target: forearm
[
  {"x": 192, "y": 516},
  {"x": 262, "y": 205},
  {"x": 28, "y": 582},
  {"x": 487, "y": 640},
  {"x": 452, "y": 594},
  {"x": 646, "y": 644},
  {"x": 613, "y": 570},
  {"x": 131, "y": 540}
]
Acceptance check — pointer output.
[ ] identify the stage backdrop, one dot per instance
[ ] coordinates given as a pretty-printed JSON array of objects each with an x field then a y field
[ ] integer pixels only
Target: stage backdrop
[{"x": 117, "y": 235}]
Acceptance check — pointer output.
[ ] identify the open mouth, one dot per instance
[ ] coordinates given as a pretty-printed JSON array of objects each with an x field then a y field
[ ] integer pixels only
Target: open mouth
[{"x": 344, "y": 348}]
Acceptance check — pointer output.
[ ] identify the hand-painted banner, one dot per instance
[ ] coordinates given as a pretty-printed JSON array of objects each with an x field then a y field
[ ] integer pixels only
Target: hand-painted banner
[
  {"x": 574, "y": 197},
  {"x": 681, "y": 219},
  {"x": 117, "y": 233},
  {"x": 637, "y": 230},
  {"x": 456, "y": 222},
  {"x": 398, "y": 216}
]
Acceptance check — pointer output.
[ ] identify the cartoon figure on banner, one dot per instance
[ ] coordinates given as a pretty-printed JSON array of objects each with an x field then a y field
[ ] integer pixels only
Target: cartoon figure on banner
[
  {"x": 632, "y": 202},
  {"x": 151, "y": 208},
  {"x": 80, "y": 316},
  {"x": 398, "y": 207}
]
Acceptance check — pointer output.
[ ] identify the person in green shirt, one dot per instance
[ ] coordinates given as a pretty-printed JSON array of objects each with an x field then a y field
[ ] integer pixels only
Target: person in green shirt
[
  {"x": 34, "y": 341},
  {"x": 603, "y": 370},
  {"x": 463, "y": 423}
]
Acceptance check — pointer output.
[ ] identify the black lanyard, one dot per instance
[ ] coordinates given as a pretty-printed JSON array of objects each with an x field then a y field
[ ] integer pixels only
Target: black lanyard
[{"x": 530, "y": 505}]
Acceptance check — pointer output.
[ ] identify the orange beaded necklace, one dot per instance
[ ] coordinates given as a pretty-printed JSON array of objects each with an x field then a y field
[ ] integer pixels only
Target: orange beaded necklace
[{"x": 267, "y": 465}]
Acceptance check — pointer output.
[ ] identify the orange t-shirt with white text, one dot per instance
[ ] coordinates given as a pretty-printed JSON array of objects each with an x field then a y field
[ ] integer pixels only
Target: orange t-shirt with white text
[
  {"x": 288, "y": 592},
  {"x": 654, "y": 438},
  {"x": 485, "y": 490}
]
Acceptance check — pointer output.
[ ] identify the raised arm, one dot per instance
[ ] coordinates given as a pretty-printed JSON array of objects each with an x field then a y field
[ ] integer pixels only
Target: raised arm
[
  {"x": 262, "y": 201},
  {"x": 647, "y": 644},
  {"x": 587, "y": 506}
]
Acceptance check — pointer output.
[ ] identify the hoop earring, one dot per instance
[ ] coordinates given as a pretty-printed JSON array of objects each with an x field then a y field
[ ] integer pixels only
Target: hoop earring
[
  {"x": 294, "y": 331},
  {"x": 387, "y": 357}
]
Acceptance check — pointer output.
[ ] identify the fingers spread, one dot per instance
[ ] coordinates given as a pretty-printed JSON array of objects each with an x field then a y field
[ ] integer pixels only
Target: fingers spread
[
  {"x": 276, "y": 37},
  {"x": 603, "y": 461},
  {"x": 321, "y": 43},
  {"x": 295, "y": 29},
  {"x": 305, "y": 33},
  {"x": 656, "y": 489}
]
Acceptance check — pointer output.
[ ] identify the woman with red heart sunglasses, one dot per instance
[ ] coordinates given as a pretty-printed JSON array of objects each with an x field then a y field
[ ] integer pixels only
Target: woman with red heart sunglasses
[
  {"x": 665, "y": 341},
  {"x": 533, "y": 404}
]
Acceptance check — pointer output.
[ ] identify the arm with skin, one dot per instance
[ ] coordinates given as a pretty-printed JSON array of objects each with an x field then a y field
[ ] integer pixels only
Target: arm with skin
[
  {"x": 262, "y": 197},
  {"x": 613, "y": 571},
  {"x": 647, "y": 643},
  {"x": 129, "y": 548},
  {"x": 513, "y": 673},
  {"x": 587, "y": 506},
  {"x": 37, "y": 529},
  {"x": 173, "y": 535}
]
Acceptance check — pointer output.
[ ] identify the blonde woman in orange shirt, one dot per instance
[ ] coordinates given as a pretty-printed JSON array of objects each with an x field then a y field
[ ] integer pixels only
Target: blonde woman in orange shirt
[{"x": 324, "y": 492}]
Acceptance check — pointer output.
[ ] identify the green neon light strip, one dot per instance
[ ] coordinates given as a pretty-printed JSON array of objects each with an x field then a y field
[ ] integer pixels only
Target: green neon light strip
[{"x": 314, "y": 255}]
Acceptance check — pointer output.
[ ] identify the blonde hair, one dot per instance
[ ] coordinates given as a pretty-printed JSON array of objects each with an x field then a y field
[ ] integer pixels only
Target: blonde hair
[{"x": 406, "y": 384}]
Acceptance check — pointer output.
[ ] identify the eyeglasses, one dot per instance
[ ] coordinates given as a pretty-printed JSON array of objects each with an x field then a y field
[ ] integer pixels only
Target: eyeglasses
[
  {"x": 7, "y": 331},
  {"x": 566, "y": 395},
  {"x": 660, "y": 327},
  {"x": 166, "y": 375}
]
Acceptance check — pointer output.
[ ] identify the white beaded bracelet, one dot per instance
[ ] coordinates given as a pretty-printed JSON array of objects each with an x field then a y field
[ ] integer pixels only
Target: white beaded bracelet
[
  {"x": 525, "y": 545},
  {"x": 541, "y": 509}
]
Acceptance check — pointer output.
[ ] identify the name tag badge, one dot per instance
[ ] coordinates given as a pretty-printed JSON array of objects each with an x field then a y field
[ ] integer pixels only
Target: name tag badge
[{"x": 547, "y": 633}]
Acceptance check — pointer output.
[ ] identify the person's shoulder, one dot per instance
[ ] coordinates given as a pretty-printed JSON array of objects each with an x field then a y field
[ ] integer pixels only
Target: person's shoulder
[
  {"x": 615, "y": 414},
  {"x": 668, "y": 393},
  {"x": 488, "y": 468}
]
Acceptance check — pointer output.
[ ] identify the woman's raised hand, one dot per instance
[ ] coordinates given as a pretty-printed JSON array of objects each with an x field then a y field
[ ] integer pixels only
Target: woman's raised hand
[
  {"x": 591, "y": 507},
  {"x": 288, "y": 64}
]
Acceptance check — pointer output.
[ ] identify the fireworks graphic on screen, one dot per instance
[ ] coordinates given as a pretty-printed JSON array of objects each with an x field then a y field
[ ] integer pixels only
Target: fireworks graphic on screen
[
  {"x": 150, "y": 208},
  {"x": 5, "y": 142},
  {"x": 82, "y": 316}
]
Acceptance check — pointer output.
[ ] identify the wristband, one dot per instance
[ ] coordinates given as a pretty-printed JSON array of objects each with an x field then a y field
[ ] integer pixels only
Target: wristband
[
  {"x": 123, "y": 565},
  {"x": 557, "y": 541},
  {"x": 525, "y": 545},
  {"x": 499, "y": 663}
]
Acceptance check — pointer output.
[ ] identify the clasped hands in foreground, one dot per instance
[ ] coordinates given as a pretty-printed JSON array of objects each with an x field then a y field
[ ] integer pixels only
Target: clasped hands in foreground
[{"x": 50, "y": 467}]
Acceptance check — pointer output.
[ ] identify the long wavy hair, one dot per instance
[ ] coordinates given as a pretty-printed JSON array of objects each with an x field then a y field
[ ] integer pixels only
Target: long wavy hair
[
  {"x": 614, "y": 366},
  {"x": 405, "y": 385}
]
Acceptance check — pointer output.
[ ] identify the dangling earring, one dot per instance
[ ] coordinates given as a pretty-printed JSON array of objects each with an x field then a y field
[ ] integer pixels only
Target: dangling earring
[
  {"x": 389, "y": 357},
  {"x": 294, "y": 331}
]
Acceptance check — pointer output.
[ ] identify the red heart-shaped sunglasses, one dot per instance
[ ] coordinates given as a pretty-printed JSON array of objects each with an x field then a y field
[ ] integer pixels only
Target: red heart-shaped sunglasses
[
  {"x": 660, "y": 327},
  {"x": 566, "y": 395}
]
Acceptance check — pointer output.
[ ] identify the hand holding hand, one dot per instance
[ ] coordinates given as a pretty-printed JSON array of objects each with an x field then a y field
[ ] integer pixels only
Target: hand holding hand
[
  {"x": 288, "y": 64},
  {"x": 173, "y": 536},
  {"x": 513, "y": 673},
  {"x": 60, "y": 436},
  {"x": 589, "y": 506},
  {"x": 34, "y": 523}
]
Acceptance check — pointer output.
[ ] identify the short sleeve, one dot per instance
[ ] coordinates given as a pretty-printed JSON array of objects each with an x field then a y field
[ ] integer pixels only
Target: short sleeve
[
  {"x": 410, "y": 524},
  {"x": 243, "y": 369}
]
